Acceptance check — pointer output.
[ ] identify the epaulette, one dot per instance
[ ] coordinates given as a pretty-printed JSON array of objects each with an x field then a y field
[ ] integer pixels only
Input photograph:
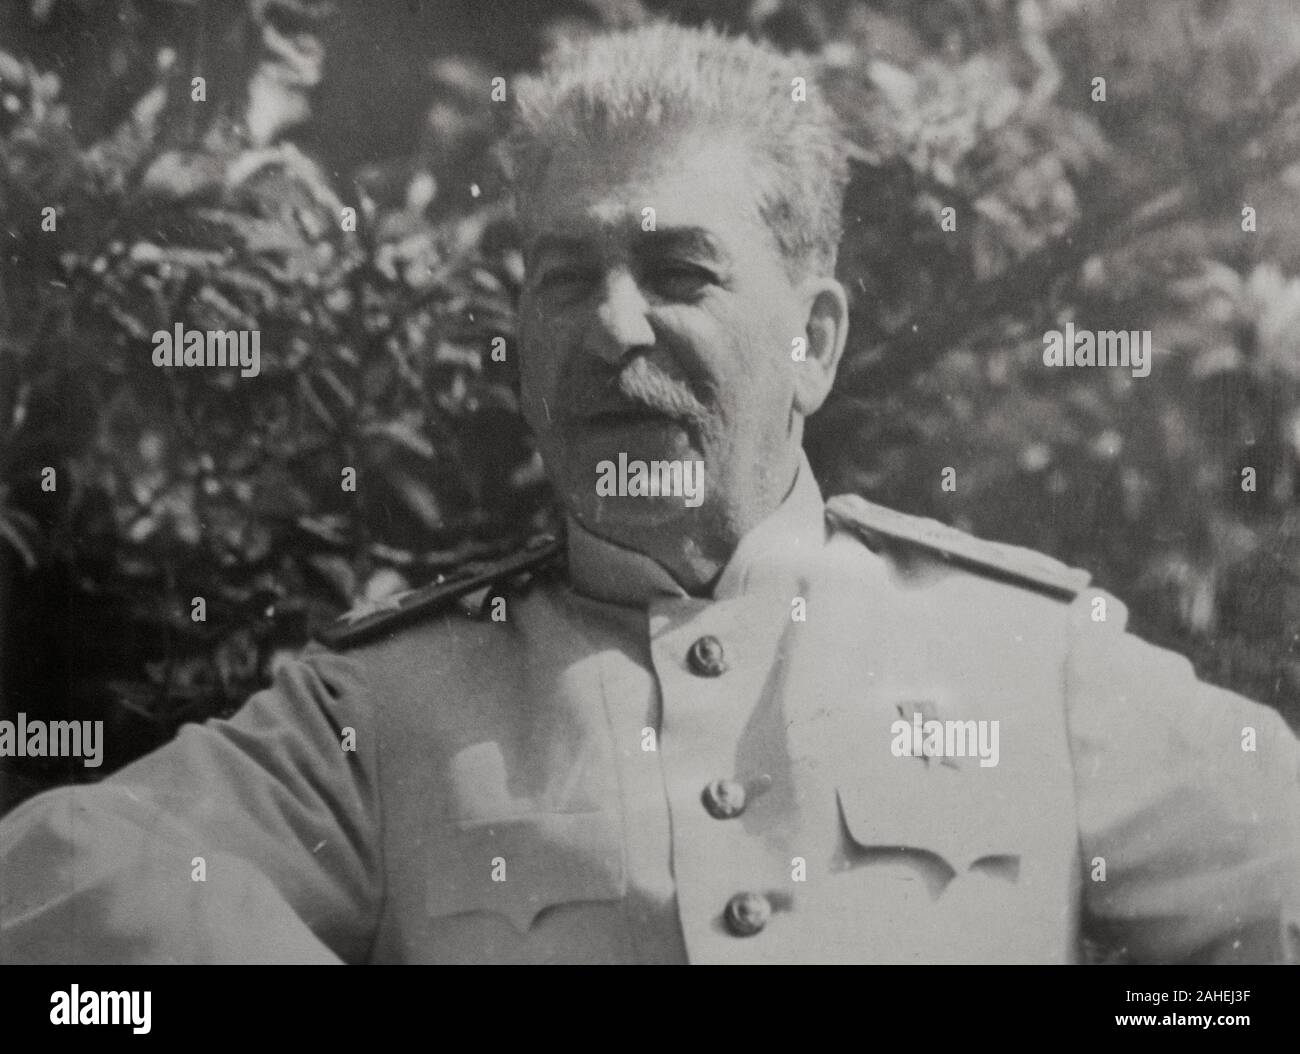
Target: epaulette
[
  {"x": 876, "y": 525},
  {"x": 374, "y": 618}
]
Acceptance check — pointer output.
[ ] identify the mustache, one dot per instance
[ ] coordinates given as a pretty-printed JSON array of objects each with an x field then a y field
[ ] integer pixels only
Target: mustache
[{"x": 637, "y": 385}]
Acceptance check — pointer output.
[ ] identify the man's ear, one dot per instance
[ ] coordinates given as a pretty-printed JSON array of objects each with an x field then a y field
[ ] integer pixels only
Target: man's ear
[{"x": 827, "y": 328}]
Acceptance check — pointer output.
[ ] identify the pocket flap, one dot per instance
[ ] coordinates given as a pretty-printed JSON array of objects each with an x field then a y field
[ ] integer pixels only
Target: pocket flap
[
  {"x": 931, "y": 807},
  {"x": 518, "y": 866}
]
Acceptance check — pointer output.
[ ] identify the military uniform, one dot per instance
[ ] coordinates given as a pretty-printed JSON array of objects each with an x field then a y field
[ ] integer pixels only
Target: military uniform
[{"x": 619, "y": 772}]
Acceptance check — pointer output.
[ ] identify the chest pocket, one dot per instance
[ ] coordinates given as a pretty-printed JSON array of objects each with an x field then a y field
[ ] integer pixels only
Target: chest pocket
[
  {"x": 929, "y": 822},
  {"x": 520, "y": 866}
]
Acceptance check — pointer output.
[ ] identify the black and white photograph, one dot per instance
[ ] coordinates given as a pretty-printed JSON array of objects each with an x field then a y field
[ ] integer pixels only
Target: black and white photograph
[{"x": 717, "y": 482}]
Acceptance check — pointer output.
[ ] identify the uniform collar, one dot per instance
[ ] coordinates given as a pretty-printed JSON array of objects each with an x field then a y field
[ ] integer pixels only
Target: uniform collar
[{"x": 603, "y": 570}]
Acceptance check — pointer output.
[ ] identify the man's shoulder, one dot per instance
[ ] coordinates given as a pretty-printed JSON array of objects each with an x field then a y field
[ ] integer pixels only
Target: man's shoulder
[
  {"x": 473, "y": 587},
  {"x": 470, "y": 589},
  {"x": 906, "y": 537}
]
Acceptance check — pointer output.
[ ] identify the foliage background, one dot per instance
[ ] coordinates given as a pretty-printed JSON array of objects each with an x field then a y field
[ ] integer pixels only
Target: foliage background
[{"x": 226, "y": 214}]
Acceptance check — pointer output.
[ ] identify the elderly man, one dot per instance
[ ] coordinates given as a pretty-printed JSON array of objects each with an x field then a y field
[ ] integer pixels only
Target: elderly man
[{"x": 743, "y": 725}]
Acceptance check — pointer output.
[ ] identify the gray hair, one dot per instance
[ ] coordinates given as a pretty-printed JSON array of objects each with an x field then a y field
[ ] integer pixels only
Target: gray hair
[{"x": 665, "y": 77}]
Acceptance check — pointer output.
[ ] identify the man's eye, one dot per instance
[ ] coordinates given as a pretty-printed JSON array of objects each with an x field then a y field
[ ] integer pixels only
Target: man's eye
[{"x": 680, "y": 281}]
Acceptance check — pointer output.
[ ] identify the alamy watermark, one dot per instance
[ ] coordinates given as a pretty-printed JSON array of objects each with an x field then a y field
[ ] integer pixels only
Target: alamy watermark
[
  {"x": 1085, "y": 347},
  {"x": 76, "y": 1007},
  {"x": 651, "y": 479},
  {"x": 211, "y": 347},
  {"x": 53, "y": 739},
  {"x": 932, "y": 738}
]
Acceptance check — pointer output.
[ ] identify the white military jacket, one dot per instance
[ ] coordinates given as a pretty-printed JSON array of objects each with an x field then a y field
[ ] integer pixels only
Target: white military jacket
[{"x": 619, "y": 772}]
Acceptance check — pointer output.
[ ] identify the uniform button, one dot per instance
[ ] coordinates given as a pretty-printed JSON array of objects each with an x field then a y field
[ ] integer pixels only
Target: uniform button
[
  {"x": 747, "y": 914},
  {"x": 705, "y": 657},
  {"x": 724, "y": 799}
]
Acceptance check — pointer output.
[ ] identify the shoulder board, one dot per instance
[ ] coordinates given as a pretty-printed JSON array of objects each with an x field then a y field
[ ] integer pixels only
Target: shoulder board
[
  {"x": 877, "y": 525},
  {"x": 375, "y": 618}
]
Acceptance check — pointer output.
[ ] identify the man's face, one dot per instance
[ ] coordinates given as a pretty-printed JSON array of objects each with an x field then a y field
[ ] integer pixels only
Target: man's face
[{"x": 672, "y": 343}]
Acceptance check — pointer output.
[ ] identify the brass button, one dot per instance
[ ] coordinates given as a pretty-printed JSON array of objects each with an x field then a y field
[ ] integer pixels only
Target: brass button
[
  {"x": 747, "y": 914},
  {"x": 724, "y": 799},
  {"x": 705, "y": 657}
]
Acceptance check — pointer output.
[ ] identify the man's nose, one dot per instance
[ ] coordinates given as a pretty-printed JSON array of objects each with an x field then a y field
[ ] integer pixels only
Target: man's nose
[{"x": 620, "y": 322}]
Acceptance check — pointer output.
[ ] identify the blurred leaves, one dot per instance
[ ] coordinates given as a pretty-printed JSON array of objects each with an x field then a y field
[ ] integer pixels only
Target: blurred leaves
[{"x": 200, "y": 483}]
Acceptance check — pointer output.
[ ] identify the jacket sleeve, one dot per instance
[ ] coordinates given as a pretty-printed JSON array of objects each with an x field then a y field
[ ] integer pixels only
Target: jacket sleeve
[
  {"x": 1188, "y": 804},
  {"x": 253, "y": 839}
]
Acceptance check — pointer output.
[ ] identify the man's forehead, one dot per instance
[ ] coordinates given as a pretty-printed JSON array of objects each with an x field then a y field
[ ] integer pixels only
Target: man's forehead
[
  {"x": 694, "y": 241},
  {"x": 700, "y": 191}
]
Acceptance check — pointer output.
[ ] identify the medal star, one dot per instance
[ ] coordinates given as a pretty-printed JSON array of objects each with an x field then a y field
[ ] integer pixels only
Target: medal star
[{"x": 366, "y": 608}]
